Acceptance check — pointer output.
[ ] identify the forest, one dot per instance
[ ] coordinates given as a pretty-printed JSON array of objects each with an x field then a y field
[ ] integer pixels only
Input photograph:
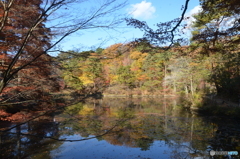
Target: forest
[{"x": 162, "y": 63}]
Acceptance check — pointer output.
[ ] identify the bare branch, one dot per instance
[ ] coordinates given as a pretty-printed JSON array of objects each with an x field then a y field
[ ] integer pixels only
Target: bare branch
[
  {"x": 6, "y": 8},
  {"x": 165, "y": 32}
]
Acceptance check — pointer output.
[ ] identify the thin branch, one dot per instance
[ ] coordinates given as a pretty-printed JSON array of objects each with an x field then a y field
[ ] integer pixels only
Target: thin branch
[
  {"x": 179, "y": 22},
  {"x": 27, "y": 101},
  {"x": 164, "y": 33},
  {"x": 6, "y": 12}
]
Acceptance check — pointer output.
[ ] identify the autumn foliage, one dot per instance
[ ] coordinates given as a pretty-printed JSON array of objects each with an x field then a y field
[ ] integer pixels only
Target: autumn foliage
[{"x": 26, "y": 71}]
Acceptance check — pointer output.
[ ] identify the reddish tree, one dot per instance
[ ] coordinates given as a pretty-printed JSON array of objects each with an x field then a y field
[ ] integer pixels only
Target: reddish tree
[{"x": 21, "y": 43}]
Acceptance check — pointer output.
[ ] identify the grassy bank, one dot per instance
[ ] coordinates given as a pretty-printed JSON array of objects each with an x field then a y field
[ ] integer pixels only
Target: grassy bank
[{"x": 219, "y": 107}]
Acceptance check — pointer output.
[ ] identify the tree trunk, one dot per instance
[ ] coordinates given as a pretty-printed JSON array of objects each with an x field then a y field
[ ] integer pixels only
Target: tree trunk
[
  {"x": 174, "y": 87},
  {"x": 192, "y": 91},
  {"x": 186, "y": 90},
  {"x": 2, "y": 85}
]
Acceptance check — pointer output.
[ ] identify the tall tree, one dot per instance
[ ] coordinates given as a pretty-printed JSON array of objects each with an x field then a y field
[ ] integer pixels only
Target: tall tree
[
  {"x": 216, "y": 34},
  {"x": 217, "y": 25},
  {"x": 126, "y": 76},
  {"x": 22, "y": 45}
]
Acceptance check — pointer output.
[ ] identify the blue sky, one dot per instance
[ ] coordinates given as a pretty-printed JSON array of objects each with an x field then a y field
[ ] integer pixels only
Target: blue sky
[{"x": 151, "y": 11}]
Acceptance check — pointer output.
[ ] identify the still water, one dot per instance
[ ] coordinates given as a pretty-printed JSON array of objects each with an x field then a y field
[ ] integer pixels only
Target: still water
[{"x": 122, "y": 128}]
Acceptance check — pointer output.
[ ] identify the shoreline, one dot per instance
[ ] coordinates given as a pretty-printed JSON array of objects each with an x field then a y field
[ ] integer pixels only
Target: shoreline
[
  {"x": 134, "y": 95},
  {"x": 218, "y": 106}
]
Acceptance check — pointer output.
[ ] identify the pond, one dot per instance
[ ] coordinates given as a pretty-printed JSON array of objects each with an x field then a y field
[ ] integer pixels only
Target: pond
[{"x": 124, "y": 128}]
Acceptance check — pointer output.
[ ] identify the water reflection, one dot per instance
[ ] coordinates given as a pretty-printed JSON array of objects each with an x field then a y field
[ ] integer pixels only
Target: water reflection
[
  {"x": 26, "y": 140},
  {"x": 122, "y": 128}
]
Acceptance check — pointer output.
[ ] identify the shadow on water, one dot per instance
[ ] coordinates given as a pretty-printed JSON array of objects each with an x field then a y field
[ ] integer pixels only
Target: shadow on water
[{"x": 122, "y": 128}]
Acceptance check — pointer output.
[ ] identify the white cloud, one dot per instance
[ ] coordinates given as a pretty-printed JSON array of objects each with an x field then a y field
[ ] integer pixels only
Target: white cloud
[
  {"x": 195, "y": 10},
  {"x": 143, "y": 10},
  {"x": 190, "y": 15}
]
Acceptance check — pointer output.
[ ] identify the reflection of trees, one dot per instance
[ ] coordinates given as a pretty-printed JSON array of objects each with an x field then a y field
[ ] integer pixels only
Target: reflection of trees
[
  {"x": 138, "y": 132},
  {"x": 144, "y": 124},
  {"x": 227, "y": 136},
  {"x": 102, "y": 118},
  {"x": 29, "y": 139},
  {"x": 131, "y": 123},
  {"x": 187, "y": 137},
  {"x": 144, "y": 143}
]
